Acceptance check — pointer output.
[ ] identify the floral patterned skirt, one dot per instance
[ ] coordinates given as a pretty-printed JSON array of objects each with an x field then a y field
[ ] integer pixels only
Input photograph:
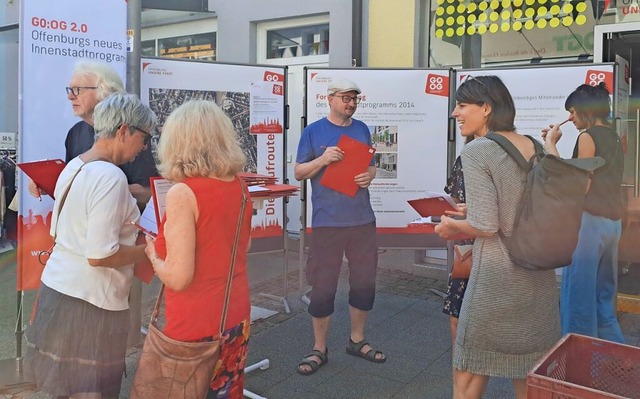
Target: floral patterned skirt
[
  {"x": 454, "y": 297},
  {"x": 228, "y": 376}
]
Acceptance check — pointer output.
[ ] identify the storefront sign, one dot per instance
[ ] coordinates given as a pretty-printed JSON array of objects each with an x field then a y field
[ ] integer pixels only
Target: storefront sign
[
  {"x": 455, "y": 19},
  {"x": 627, "y": 11}
]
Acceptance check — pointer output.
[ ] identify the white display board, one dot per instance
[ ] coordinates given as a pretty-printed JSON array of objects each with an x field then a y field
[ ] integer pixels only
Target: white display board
[
  {"x": 406, "y": 111},
  {"x": 253, "y": 97},
  {"x": 539, "y": 94},
  {"x": 54, "y": 36}
]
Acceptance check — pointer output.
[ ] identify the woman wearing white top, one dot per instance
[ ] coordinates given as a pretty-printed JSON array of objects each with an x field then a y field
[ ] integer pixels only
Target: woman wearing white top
[{"x": 76, "y": 345}]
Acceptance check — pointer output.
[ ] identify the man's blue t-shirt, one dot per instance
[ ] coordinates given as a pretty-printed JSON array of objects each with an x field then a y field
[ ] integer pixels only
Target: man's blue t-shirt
[{"x": 331, "y": 208}]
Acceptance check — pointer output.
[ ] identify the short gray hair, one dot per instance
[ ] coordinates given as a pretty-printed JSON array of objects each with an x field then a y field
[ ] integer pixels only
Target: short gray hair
[
  {"x": 108, "y": 82},
  {"x": 118, "y": 109}
]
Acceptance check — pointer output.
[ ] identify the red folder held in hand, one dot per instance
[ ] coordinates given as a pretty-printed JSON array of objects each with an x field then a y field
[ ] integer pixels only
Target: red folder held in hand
[
  {"x": 339, "y": 175},
  {"x": 44, "y": 173},
  {"x": 143, "y": 269},
  {"x": 433, "y": 206}
]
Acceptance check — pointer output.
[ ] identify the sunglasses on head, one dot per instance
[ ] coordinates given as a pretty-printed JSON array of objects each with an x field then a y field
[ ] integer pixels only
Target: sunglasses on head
[{"x": 470, "y": 77}]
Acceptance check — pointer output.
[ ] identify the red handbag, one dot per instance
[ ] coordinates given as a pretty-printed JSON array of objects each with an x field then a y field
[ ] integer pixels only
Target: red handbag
[{"x": 462, "y": 261}]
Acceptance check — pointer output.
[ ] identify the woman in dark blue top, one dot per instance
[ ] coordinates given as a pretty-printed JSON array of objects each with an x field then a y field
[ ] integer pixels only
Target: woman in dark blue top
[
  {"x": 457, "y": 286},
  {"x": 589, "y": 283}
]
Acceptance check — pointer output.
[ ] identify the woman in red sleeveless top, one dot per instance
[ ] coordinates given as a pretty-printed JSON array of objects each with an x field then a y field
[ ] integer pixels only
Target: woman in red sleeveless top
[{"x": 199, "y": 151}]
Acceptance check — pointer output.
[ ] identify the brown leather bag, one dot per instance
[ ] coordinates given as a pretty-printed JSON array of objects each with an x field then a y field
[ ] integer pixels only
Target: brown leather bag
[
  {"x": 462, "y": 261},
  {"x": 176, "y": 369}
]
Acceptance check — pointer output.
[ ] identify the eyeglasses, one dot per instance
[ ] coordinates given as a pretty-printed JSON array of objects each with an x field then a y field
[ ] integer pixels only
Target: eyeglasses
[
  {"x": 470, "y": 77},
  {"x": 147, "y": 135},
  {"x": 348, "y": 99},
  {"x": 75, "y": 90}
]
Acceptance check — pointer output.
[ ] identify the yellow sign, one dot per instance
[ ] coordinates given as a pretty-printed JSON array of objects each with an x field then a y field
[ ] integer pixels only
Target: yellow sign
[{"x": 468, "y": 17}]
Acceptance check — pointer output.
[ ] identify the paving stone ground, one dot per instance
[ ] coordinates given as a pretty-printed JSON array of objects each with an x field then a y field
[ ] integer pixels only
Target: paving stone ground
[
  {"x": 407, "y": 324},
  {"x": 388, "y": 281}
]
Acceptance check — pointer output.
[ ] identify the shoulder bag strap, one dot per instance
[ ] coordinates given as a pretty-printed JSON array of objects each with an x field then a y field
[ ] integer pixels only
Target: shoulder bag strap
[
  {"x": 234, "y": 250},
  {"x": 513, "y": 152},
  {"x": 66, "y": 192}
]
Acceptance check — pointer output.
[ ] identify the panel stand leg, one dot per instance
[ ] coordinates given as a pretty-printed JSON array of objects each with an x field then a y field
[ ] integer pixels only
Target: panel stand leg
[
  {"x": 305, "y": 296},
  {"x": 301, "y": 265},
  {"x": 12, "y": 376},
  {"x": 11, "y": 372},
  {"x": 135, "y": 314},
  {"x": 282, "y": 299},
  {"x": 262, "y": 365},
  {"x": 285, "y": 283}
]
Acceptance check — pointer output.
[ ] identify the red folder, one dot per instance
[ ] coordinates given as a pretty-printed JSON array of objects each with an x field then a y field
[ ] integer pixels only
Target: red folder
[
  {"x": 44, "y": 173},
  {"x": 339, "y": 175},
  {"x": 254, "y": 179},
  {"x": 275, "y": 191},
  {"x": 432, "y": 206},
  {"x": 143, "y": 269}
]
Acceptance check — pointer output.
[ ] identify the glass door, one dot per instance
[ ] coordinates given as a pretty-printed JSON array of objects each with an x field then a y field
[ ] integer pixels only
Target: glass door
[
  {"x": 616, "y": 43},
  {"x": 620, "y": 43}
]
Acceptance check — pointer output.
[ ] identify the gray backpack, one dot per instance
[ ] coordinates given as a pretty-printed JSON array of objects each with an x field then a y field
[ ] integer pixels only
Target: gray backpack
[{"x": 545, "y": 232}]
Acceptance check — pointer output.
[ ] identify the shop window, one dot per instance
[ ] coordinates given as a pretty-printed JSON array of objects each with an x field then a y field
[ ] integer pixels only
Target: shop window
[
  {"x": 513, "y": 30},
  {"x": 148, "y": 48},
  {"x": 298, "y": 42},
  {"x": 195, "y": 47}
]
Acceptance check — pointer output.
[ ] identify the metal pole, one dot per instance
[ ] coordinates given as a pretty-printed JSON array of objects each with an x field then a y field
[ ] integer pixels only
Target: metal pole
[
  {"x": 134, "y": 14},
  {"x": 471, "y": 48},
  {"x": 356, "y": 33},
  {"x": 20, "y": 324},
  {"x": 134, "y": 26}
]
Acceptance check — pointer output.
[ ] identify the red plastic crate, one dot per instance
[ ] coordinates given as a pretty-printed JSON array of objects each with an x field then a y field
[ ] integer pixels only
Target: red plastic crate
[{"x": 581, "y": 367}]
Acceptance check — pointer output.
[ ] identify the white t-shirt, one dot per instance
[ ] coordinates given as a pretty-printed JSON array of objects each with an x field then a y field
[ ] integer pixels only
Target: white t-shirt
[{"x": 93, "y": 223}]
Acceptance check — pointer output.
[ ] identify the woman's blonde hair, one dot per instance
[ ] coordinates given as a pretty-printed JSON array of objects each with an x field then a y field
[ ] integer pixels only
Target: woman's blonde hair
[{"x": 198, "y": 139}]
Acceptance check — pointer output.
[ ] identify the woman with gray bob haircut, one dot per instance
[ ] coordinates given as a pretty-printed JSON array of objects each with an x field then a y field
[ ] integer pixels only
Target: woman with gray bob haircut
[
  {"x": 119, "y": 109},
  {"x": 77, "y": 342}
]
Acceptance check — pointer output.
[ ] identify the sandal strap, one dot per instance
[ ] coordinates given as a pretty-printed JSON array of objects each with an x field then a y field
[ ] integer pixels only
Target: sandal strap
[
  {"x": 375, "y": 352},
  {"x": 309, "y": 362},
  {"x": 315, "y": 352},
  {"x": 358, "y": 345}
]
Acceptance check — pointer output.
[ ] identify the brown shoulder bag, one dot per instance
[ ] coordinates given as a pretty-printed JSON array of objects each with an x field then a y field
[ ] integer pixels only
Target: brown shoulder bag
[
  {"x": 175, "y": 369},
  {"x": 462, "y": 261}
]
